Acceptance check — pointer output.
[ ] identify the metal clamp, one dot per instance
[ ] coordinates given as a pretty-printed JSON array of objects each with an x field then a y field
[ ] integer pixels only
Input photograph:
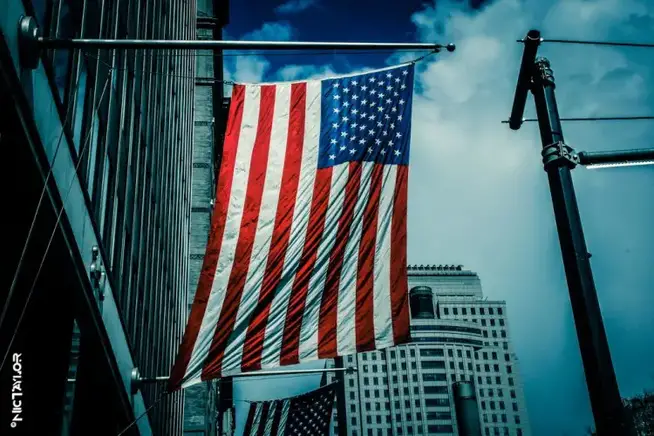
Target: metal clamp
[{"x": 559, "y": 154}]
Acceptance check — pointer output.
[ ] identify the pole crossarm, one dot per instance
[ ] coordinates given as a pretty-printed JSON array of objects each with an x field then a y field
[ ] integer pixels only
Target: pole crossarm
[
  {"x": 32, "y": 42},
  {"x": 616, "y": 157}
]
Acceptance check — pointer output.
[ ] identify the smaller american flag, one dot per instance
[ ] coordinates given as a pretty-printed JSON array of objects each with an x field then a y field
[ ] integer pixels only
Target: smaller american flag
[{"x": 307, "y": 414}]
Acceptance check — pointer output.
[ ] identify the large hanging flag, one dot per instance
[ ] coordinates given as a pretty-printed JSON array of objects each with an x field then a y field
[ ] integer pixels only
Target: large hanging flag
[
  {"x": 306, "y": 257},
  {"x": 304, "y": 415}
]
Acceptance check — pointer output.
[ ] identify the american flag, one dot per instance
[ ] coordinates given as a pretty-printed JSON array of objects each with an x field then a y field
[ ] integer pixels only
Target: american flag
[
  {"x": 304, "y": 415},
  {"x": 306, "y": 257}
]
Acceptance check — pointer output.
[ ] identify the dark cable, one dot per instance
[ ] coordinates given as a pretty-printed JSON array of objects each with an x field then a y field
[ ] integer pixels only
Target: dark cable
[
  {"x": 609, "y": 43},
  {"x": 163, "y": 394},
  {"x": 628, "y": 118}
]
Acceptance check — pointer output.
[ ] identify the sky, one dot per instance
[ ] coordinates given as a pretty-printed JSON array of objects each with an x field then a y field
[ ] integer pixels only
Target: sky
[{"x": 478, "y": 195}]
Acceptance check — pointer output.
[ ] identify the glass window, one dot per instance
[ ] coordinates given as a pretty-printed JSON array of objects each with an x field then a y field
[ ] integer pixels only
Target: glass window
[
  {"x": 433, "y": 364},
  {"x": 459, "y": 353},
  {"x": 450, "y": 353},
  {"x": 499, "y": 311},
  {"x": 508, "y": 369},
  {"x": 503, "y": 418},
  {"x": 435, "y": 389},
  {"x": 446, "y": 311},
  {"x": 512, "y": 393},
  {"x": 502, "y": 406},
  {"x": 488, "y": 380},
  {"x": 469, "y": 366},
  {"x": 473, "y": 311},
  {"x": 511, "y": 381},
  {"x": 451, "y": 365},
  {"x": 503, "y": 333},
  {"x": 502, "y": 322},
  {"x": 515, "y": 406},
  {"x": 468, "y": 354},
  {"x": 434, "y": 377},
  {"x": 479, "y": 380},
  {"x": 464, "y": 311},
  {"x": 431, "y": 352},
  {"x": 402, "y": 353},
  {"x": 517, "y": 419},
  {"x": 498, "y": 380},
  {"x": 487, "y": 367},
  {"x": 492, "y": 405},
  {"x": 406, "y": 391},
  {"x": 455, "y": 311},
  {"x": 368, "y": 407},
  {"x": 481, "y": 311},
  {"x": 353, "y": 421},
  {"x": 496, "y": 367},
  {"x": 490, "y": 311},
  {"x": 483, "y": 405}
]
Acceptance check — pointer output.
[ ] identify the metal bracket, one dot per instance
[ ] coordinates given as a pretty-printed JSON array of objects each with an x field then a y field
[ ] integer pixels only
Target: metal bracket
[
  {"x": 28, "y": 47},
  {"x": 97, "y": 274},
  {"x": 559, "y": 154}
]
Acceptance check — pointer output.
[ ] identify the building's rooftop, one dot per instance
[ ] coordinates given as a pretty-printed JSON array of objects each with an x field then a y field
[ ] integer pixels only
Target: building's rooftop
[{"x": 439, "y": 270}]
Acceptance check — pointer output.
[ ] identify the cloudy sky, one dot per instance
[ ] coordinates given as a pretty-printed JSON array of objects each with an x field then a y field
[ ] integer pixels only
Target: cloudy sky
[{"x": 478, "y": 195}]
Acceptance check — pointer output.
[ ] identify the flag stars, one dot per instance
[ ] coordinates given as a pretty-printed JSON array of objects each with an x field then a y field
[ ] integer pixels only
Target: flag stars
[
  {"x": 336, "y": 85},
  {"x": 378, "y": 141},
  {"x": 388, "y": 101},
  {"x": 355, "y": 83},
  {"x": 364, "y": 102},
  {"x": 335, "y": 125},
  {"x": 399, "y": 117},
  {"x": 346, "y": 103},
  {"x": 332, "y": 156},
  {"x": 336, "y": 110},
  {"x": 389, "y": 75},
  {"x": 345, "y": 119},
  {"x": 337, "y": 97},
  {"x": 401, "y": 101},
  {"x": 397, "y": 80},
  {"x": 355, "y": 97},
  {"x": 405, "y": 72},
  {"x": 389, "y": 88},
  {"x": 344, "y": 134},
  {"x": 333, "y": 141},
  {"x": 403, "y": 86},
  {"x": 364, "y": 87},
  {"x": 398, "y": 135},
  {"x": 352, "y": 151},
  {"x": 380, "y": 109},
  {"x": 397, "y": 152},
  {"x": 391, "y": 143},
  {"x": 370, "y": 149},
  {"x": 362, "y": 141},
  {"x": 371, "y": 132},
  {"x": 382, "y": 151},
  {"x": 392, "y": 126},
  {"x": 343, "y": 147},
  {"x": 346, "y": 90}
]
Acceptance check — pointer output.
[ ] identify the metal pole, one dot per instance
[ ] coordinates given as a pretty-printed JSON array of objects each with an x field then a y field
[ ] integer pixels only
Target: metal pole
[
  {"x": 591, "y": 158},
  {"x": 341, "y": 410},
  {"x": 596, "y": 357}
]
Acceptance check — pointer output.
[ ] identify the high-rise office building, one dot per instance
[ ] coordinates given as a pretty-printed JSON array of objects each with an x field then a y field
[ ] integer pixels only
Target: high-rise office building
[
  {"x": 202, "y": 402},
  {"x": 98, "y": 146},
  {"x": 459, "y": 373}
]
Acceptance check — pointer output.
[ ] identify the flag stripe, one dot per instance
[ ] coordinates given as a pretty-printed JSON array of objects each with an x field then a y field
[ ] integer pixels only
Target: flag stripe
[
  {"x": 249, "y": 423},
  {"x": 311, "y": 317},
  {"x": 256, "y": 179},
  {"x": 347, "y": 289},
  {"x": 297, "y": 304},
  {"x": 253, "y": 347},
  {"x": 382, "y": 287},
  {"x": 327, "y": 325},
  {"x": 261, "y": 245},
  {"x": 365, "y": 315},
  {"x": 261, "y": 431},
  {"x": 281, "y": 306},
  {"x": 214, "y": 244},
  {"x": 399, "y": 284},
  {"x": 279, "y": 406}
]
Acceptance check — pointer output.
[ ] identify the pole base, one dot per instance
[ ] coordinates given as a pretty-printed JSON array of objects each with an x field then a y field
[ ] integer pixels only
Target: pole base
[{"x": 28, "y": 42}]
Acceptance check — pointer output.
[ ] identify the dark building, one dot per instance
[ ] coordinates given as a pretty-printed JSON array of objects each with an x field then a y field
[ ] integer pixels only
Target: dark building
[
  {"x": 97, "y": 163},
  {"x": 202, "y": 402}
]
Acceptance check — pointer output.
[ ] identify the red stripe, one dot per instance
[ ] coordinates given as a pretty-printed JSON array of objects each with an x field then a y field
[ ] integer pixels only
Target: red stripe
[
  {"x": 399, "y": 284},
  {"x": 265, "y": 407},
  {"x": 243, "y": 253},
  {"x": 214, "y": 243},
  {"x": 365, "y": 317},
  {"x": 290, "y": 346},
  {"x": 279, "y": 407},
  {"x": 329, "y": 304},
  {"x": 253, "y": 346}
]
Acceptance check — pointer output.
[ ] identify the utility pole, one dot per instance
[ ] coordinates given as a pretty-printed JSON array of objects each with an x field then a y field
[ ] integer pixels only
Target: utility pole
[{"x": 559, "y": 159}]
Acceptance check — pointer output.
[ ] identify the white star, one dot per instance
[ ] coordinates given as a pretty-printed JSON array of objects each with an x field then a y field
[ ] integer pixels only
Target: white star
[
  {"x": 388, "y": 101},
  {"x": 386, "y": 116},
  {"x": 335, "y": 126},
  {"x": 397, "y": 80},
  {"x": 345, "y": 119},
  {"x": 395, "y": 94},
  {"x": 398, "y": 134},
  {"x": 382, "y": 151},
  {"x": 336, "y": 110},
  {"x": 389, "y": 87},
  {"x": 380, "y": 109},
  {"x": 355, "y": 97},
  {"x": 346, "y": 90},
  {"x": 403, "y": 86},
  {"x": 380, "y": 124},
  {"x": 362, "y": 141},
  {"x": 364, "y": 102},
  {"x": 401, "y": 101},
  {"x": 397, "y": 152},
  {"x": 353, "y": 138},
  {"x": 364, "y": 87},
  {"x": 392, "y": 125},
  {"x": 373, "y": 104},
  {"x": 362, "y": 127},
  {"x": 372, "y": 80},
  {"x": 352, "y": 151},
  {"x": 343, "y": 147},
  {"x": 390, "y": 143},
  {"x": 373, "y": 92},
  {"x": 337, "y": 97},
  {"x": 355, "y": 83},
  {"x": 389, "y": 75},
  {"x": 399, "y": 117},
  {"x": 346, "y": 104},
  {"x": 371, "y": 117},
  {"x": 370, "y": 150},
  {"x": 385, "y": 133},
  {"x": 405, "y": 72},
  {"x": 371, "y": 132},
  {"x": 353, "y": 125},
  {"x": 381, "y": 95},
  {"x": 394, "y": 109},
  {"x": 363, "y": 115},
  {"x": 344, "y": 134},
  {"x": 355, "y": 111},
  {"x": 333, "y": 141},
  {"x": 332, "y": 156},
  {"x": 336, "y": 85},
  {"x": 377, "y": 141}
]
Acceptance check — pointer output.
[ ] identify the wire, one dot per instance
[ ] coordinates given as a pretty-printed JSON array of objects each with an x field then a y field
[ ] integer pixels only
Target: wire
[
  {"x": 14, "y": 280},
  {"x": 54, "y": 231},
  {"x": 609, "y": 43},
  {"x": 285, "y": 53},
  {"x": 163, "y": 394},
  {"x": 628, "y": 118}
]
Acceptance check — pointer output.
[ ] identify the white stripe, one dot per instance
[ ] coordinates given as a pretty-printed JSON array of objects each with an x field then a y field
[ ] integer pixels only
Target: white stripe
[
  {"x": 230, "y": 237},
  {"x": 284, "y": 418},
  {"x": 382, "y": 269},
  {"x": 310, "y": 320},
  {"x": 347, "y": 290},
  {"x": 271, "y": 417},
  {"x": 265, "y": 227},
  {"x": 257, "y": 419},
  {"x": 277, "y": 319}
]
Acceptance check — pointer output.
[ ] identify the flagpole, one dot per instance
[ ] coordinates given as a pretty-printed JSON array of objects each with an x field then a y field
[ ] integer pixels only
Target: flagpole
[
  {"x": 341, "y": 410},
  {"x": 31, "y": 42}
]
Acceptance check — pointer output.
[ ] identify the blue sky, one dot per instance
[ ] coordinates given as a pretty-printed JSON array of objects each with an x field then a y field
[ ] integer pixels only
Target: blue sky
[{"x": 477, "y": 191}]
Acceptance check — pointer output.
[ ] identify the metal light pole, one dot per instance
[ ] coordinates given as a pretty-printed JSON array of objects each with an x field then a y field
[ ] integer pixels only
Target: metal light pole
[{"x": 559, "y": 159}]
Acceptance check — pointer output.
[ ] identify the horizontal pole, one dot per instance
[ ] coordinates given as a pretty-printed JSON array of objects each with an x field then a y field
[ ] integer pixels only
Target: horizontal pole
[
  {"x": 626, "y": 118},
  {"x": 626, "y": 157},
  {"x": 59, "y": 43},
  {"x": 609, "y": 43}
]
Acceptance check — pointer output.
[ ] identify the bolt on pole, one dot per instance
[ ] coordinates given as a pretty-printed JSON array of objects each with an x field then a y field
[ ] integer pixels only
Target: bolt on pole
[{"x": 559, "y": 159}]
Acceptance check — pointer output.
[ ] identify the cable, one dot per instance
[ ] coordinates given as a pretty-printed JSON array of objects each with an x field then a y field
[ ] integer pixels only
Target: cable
[
  {"x": 163, "y": 394},
  {"x": 628, "y": 118},
  {"x": 54, "y": 231},
  {"x": 609, "y": 43},
  {"x": 14, "y": 280},
  {"x": 285, "y": 53}
]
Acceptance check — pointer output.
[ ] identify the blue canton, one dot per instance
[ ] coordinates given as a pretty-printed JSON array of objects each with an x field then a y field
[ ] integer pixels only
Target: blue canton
[{"x": 367, "y": 118}]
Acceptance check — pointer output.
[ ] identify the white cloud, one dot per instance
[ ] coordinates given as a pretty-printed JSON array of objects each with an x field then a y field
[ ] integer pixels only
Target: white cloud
[{"x": 295, "y": 6}]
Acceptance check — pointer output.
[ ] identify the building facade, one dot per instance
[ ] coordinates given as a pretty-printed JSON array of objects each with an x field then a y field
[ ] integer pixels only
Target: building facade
[
  {"x": 97, "y": 167},
  {"x": 202, "y": 402},
  {"x": 459, "y": 340}
]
